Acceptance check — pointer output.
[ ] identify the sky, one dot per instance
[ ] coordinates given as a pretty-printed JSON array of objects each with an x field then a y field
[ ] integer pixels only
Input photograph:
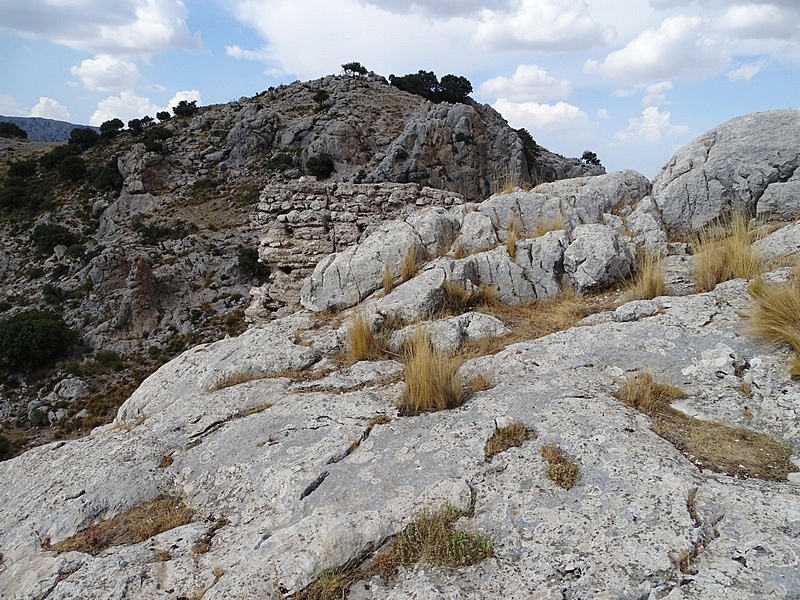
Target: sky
[{"x": 631, "y": 80}]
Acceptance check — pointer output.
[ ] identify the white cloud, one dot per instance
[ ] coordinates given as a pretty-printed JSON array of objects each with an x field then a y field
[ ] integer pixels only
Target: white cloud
[
  {"x": 542, "y": 25},
  {"x": 238, "y": 53},
  {"x": 530, "y": 83},
  {"x": 537, "y": 116},
  {"x": 760, "y": 21},
  {"x": 650, "y": 127},
  {"x": 681, "y": 47},
  {"x": 128, "y": 26},
  {"x": 656, "y": 93},
  {"x": 333, "y": 32},
  {"x": 437, "y": 8},
  {"x": 50, "y": 109},
  {"x": 106, "y": 73},
  {"x": 604, "y": 114},
  {"x": 748, "y": 71},
  {"x": 127, "y": 105}
]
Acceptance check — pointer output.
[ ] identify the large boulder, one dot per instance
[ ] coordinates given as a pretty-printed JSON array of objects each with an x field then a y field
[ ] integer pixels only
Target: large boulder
[
  {"x": 729, "y": 168},
  {"x": 597, "y": 258}
]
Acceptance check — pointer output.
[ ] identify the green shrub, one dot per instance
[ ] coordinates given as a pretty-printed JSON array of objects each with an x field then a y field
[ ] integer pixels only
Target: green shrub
[
  {"x": 107, "y": 177},
  {"x": 57, "y": 155},
  {"x": 108, "y": 359},
  {"x": 320, "y": 165},
  {"x": 22, "y": 168},
  {"x": 9, "y": 130},
  {"x": 46, "y": 237},
  {"x": 249, "y": 266},
  {"x": 72, "y": 168},
  {"x": 184, "y": 108},
  {"x": 31, "y": 338},
  {"x": 83, "y": 137}
]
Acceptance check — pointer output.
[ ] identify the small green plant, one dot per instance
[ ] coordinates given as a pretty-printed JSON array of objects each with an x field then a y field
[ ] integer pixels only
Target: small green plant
[
  {"x": 31, "y": 338},
  {"x": 505, "y": 438},
  {"x": 320, "y": 165},
  {"x": 430, "y": 377},
  {"x": 560, "y": 467},
  {"x": 108, "y": 359},
  {"x": 46, "y": 237},
  {"x": 249, "y": 265}
]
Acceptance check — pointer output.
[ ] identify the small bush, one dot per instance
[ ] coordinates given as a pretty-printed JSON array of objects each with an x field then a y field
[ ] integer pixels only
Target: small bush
[
  {"x": 320, "y": 165},
  {"x": 249, "y": 265},
  {"x": 21, "y": 169},
  {"x": 47, "y": 237},
  {"x": 10, "y": 130},
  {"x": 560, "y": 468},
  {"x": 432, "y": 539},
  {"x": 31, "y": 338},
  {"x": 108, "y": 359},
  {"x": 724, "y": 251},
  {"x": 507, "y": 437},
  {"x": 430, "y": 376}
]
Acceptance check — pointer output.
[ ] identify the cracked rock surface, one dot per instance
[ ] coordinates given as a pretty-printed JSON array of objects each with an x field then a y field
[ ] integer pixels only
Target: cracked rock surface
[{"x": 308, "y": 479}]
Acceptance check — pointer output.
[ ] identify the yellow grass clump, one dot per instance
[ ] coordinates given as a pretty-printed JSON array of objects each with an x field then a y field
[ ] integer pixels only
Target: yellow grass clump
[
  {"x": 388, "y": 280},
  {"x": 724, "y": 251},
  {"x": 545, "y": 226},
  {"x": 649, "y": 280},
  {"x": 505, "y": 438},
  {"x": 430, "y": 376},
  {"x": 130, "y": 527},
  {"x": 647, "y": 395},
  {"x": 410, "y": 265},
  {"x": 362, "y": 343},
  {"x": 560, "y": 467},
  {"x": 776, "y": 315}
]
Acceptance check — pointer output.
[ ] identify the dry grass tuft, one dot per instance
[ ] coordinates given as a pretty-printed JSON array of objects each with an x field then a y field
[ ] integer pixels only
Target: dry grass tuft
[
  {"x": 560, "y": 467},
  {"x": 458, "y": 300},
  {"x": 649, "y": 280},
  {"x": 776, "y": 315},
  {"x": 362, "y": 343},
  {"x": 333, "y": 584},
  {"x": 480, "y": 383},
  {"x": 511, "y": 244},
  {"x": 130, "y": 527},
  {"x": 504, "y": 438},
  {"x": 647, "y": 395},
  {"x": 430, "y": 376},
  {"x": 253, "y": 410},
  {"x": 388, "y": 280},
  {"x": 724, "y": 251},
  {"x": 410, "y": 266},
  {"x": 432, "y": 539},
  {"x": 554, "y": 224},
  {"x": 235, "y": 378},
  {"x": 735, "y": 451}
]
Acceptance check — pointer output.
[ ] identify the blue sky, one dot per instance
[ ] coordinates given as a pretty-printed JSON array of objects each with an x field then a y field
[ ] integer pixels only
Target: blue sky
[{"x": 631, "y": 80}]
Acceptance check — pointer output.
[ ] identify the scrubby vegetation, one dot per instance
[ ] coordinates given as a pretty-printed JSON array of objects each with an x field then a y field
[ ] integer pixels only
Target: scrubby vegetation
[
  {"x": 130, "y": 527},
  {"x": 560, "y": 467},
  {"x": 430, "y": 377},
  {"x": 776, "y": 315},
  {"x": 31, "y": 338},
  {"x": 649, "y": 280},
  {"x": 505, "y": 438},
  {"x": 452, "y": 88},
  {"x": 732, "y": 450},
  {"x": 724, "y": 250}
]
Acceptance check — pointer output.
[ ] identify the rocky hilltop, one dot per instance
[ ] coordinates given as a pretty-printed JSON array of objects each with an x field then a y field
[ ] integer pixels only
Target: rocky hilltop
[
  {"x": 590, "y": 441},
  {"x": 143, "y": 241},
  {"x": 40, "y": 129}
]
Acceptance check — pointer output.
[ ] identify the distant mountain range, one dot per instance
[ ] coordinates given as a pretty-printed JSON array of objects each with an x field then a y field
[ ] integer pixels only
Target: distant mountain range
[{"x": 45, "y": 130}]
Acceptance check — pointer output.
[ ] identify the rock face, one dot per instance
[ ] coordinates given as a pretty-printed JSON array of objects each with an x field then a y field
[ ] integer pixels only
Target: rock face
[
  {"x": 587, "y": 248},
  {"x": 736, "y": 166},
  {"x": 277, "y": 460}
]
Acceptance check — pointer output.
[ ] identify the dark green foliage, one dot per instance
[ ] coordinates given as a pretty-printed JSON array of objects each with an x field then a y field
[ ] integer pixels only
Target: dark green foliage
[
  {"x": 110, "y": 129},
  {"x": 31, "y": 338},
  {"x": 147, "y": 121},
  {"x": 590, "y": 158},
  {"x": 320, "y": 165},
  {"x": 280, "y": 161},
  {"x": 401, "y": 154},
  {"x": 452, "y": 88},
  {"x": 107, "y": 178},
  {"x": 108, "y": 359},
  {"x": 52, "y": 294},
  {"x": 22, "y": 168},
  {"x": 57, "y": 155},
  {"x": 185, "y": 109},
  {"x": 153, "y": 234},
  {"x": 320, "y": 97},
  {"x": 47, "y": 237},
  {"x": 154, "y": 138},
  {"x": 135, "y": 125},
  {"x": 354, "y": 69},
  {"x": 163, "y": 116},
  {"x": 464, "y": 137},
  {"x": 83, "y": 138},
  {"x": 6, "y": 448},
  {"x": 9, "y": 130},
  {"x": 19, "y": 197},
  {"x": 249, "y": 266},
  {"x": 529, "y": 145},
  {"x": 72, "y": 168}
]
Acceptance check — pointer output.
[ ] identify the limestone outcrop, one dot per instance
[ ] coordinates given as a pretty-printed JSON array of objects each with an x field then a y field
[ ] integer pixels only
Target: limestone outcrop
[{"x": 736, "y": 166}]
